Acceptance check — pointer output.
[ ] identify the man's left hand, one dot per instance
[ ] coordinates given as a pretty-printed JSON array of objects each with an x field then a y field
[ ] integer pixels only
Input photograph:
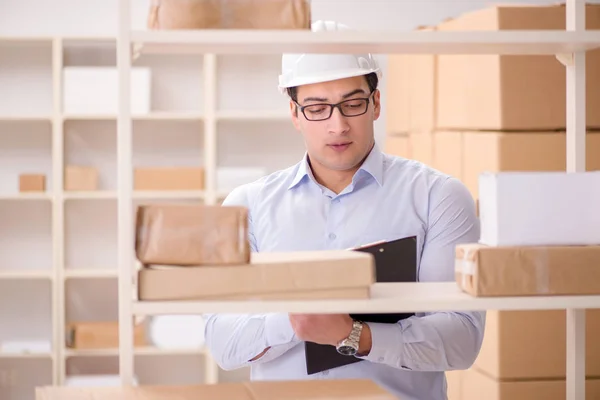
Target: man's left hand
[{"x": 321, "y": 328}]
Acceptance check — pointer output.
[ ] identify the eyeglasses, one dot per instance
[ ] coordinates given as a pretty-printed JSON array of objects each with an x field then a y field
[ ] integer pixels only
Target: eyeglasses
[{"x": 323, "y": 111}]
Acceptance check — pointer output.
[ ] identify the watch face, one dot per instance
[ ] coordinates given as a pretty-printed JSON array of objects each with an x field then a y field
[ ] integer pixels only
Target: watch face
[{"x": 346, "y": 350}]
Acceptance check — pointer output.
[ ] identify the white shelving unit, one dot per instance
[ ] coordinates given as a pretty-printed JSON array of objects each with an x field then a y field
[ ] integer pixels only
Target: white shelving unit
[
  {"x": 569, "y": 46},
  {"x": 60, "y": 247}
]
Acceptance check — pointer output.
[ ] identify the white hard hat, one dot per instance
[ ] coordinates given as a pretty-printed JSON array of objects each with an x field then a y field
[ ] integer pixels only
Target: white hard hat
[{"x": 304, "y": 69}]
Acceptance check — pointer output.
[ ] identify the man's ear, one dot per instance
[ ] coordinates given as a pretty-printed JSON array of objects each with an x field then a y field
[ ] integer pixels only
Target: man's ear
[
  {"x": 294, "y": 113},
  {"x": 376, "y": 104}
]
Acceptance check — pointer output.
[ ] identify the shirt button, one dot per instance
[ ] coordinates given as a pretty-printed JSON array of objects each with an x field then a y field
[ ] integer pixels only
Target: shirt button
[
  {"x": 332, "y": 236},
  {"x": 325, "y": 373},
  {"x": 380, "y": 359}
]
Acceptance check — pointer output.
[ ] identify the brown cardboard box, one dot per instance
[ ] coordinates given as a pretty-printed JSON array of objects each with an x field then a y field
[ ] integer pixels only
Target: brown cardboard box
[
  {"x": 32, "y": 183},
  {"x": 80, "y": 178},
  {"x": 466, "y": 155},
  {"x": 532, "y": 344},
  {"x": 169, "y": 178},
  {"x": 290, "y": 275},
  {"x": 192, "y": 234},
  {"x": 100, "y": 335},
  {"x": 486, "y": 271},
  {"x": 231, "y": 14},
  {"x": 511, "y": 92},
  {"x": 448, "y": 153},
  {"x": 478, "y": 386},
  {"x": 411, "y": 92},
  {"x": 347, "y": 389},
  {"x": 397, "y": 145},
  {"x": 454, "y": 383},
  {"x": 421, "y": 147}
]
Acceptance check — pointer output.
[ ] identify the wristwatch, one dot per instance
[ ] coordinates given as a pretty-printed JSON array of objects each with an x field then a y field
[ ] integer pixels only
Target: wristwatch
[{"x": 349, "y": 346}]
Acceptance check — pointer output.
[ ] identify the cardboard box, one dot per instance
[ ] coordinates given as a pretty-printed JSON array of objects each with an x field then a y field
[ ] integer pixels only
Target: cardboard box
[
  {"x": 539, "y": 208},
  {"x": 485, "y": 271},
  {"x": 231, "y": 14},
  {"x": 532, "y": 345},
  {"x": 478, "y": 386},
  {"x": 466, "y": 155},
  {"x": 32, "y": 183},
  {"x": 192, "y": 234},
  {"x": 448, "y": 153},
  {"x": 511, "y": 92},
  {"x": 100, "y": 335},
  {"x": 94, "y": 90},
  {"x": 169, "y": 178},
  {"x": 397, "y": 145},
  {"x": 323, "y": 274},
  {"x": 421, "y": 147},
  {"x": 454, "y": 383},
  {"x": 412, "y": 92},
  {"x": 338, "y": 389},
  {"x": 80, "y": 178}
]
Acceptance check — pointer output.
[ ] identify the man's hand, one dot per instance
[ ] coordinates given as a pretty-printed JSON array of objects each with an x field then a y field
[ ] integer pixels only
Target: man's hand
[{"x": 321, "y": 328}]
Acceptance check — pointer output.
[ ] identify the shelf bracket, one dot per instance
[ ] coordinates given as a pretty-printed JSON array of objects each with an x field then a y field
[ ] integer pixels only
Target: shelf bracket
[{"x": 566, "y": 59}]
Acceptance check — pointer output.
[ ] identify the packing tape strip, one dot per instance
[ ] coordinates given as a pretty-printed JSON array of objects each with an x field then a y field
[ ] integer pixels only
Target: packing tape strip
[
  {"x": 464, "y": 266},
  {"x": 542, "y": 274}
]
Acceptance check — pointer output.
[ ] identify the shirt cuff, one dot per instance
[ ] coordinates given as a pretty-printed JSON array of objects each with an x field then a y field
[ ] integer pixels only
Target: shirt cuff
[
  {"x": 278, "y": 329},
  {"x": 386, "y": 344}
]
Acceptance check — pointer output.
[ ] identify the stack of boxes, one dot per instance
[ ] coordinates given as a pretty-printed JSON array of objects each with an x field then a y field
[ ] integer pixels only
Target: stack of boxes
[
  {"x": 469, "y": 114},
  {"x": 200, "y": 252}
]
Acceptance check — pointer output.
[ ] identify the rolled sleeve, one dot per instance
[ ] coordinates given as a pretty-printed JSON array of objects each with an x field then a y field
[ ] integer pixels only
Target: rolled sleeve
[{"x": 278, "y": 329}]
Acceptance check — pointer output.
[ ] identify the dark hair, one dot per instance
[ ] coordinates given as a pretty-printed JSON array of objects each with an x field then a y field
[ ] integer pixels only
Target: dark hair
[{"x": 371, "y": 78}]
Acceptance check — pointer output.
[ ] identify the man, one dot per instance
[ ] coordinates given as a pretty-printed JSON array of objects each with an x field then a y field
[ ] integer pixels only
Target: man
[{"x": 344, "y": 193}]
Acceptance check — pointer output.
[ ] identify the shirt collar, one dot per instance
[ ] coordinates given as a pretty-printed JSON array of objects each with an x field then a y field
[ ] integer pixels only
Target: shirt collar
[{"x": 373, "y": 165}]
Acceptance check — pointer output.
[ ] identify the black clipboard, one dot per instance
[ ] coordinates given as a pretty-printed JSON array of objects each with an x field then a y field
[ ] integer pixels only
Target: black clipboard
[{"x": 395, "y": 261}]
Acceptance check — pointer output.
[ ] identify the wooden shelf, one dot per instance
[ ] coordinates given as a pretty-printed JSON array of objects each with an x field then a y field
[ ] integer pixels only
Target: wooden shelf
[
  {"x": 259, "y": 115},
  {"x": 26, "y": 274},
  {"x": 386, "y": 298},
  {"x": 27, "y": 355},
  {"x": 27, "y": 196},
  {"x": 80, "y": 273},
  {"x": 380, "y": 42},
  {"x": 154, "y": 116},
  {"x": 139, "y": 351}
]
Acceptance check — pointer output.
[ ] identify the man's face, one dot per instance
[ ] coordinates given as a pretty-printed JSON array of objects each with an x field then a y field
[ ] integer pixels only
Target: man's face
[{"x": 338, "y": 143}]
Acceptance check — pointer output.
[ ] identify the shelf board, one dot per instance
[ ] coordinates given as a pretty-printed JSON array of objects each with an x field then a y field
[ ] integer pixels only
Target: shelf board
[
  {"x": 27, "y": 196},
  {"x": 139, "y": 351},
  {"x": 385, "y": 298},
  {"x": 90, "y": 195},
  {"x": 26, "y": 274},
  {"x": 169, "y": 194},
  {"x": 260, "y": 115},
  {"x": 354, "y": 41},
  {"x": 26, "y": 355},
  {"x": 26, "y": 118},
  {"x": 90, "y": 273},
  {"x": 154, "y": 116},
  {"x": 140, "y": 195}
]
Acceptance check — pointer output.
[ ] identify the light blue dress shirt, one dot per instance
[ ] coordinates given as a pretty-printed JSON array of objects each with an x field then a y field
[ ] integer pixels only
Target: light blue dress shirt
[{"x": 390, "y": 197}]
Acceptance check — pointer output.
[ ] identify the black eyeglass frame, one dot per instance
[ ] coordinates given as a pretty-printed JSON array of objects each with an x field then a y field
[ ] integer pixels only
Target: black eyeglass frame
[{"x": 338, "y": 106}]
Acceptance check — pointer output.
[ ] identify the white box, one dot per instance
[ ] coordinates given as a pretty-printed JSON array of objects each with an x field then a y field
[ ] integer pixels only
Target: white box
[
  {"x": 229, "y": 178},
  {"x": 539, "y": 208},
  {"x": 95, "y": 90}
]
